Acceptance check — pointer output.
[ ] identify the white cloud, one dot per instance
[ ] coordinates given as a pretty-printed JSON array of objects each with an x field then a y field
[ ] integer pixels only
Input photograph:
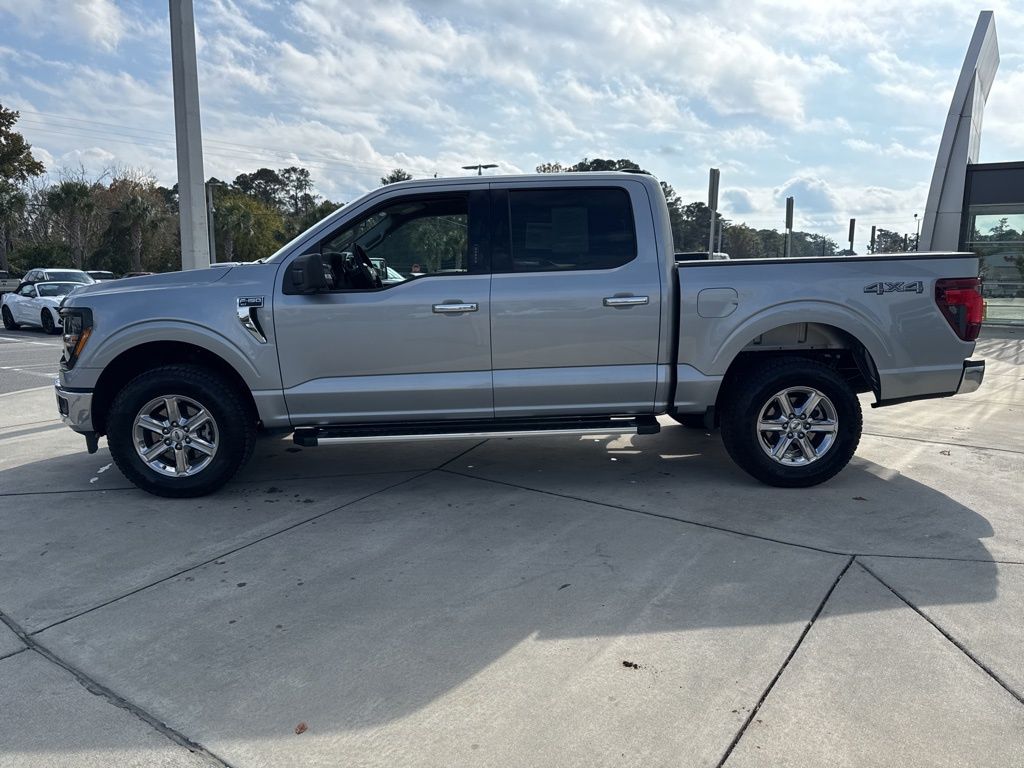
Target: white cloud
[
  {"x": 893, "y": 149},
  {"x": 99, "y": 21}
]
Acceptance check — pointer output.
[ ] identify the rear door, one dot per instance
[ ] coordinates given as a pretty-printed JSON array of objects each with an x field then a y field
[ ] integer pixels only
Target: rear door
[
  {"x": 575, "y": 299},
  {"x": 413, "y": 349}
]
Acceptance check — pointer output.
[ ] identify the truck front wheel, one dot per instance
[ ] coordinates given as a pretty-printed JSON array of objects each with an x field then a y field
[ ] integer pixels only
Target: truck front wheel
[
  {"x": 791, "y": 422},
  {"x": 180, "y": 431}
]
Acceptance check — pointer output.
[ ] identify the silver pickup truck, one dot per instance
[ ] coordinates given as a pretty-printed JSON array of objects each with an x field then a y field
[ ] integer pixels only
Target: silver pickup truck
[{"x": 548, "y": 304}]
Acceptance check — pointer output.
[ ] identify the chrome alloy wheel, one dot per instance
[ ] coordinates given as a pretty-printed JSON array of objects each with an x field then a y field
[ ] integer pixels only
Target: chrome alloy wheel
[
  {"x": 175, "y": 436},
  {"x": 797, "y": 426}
]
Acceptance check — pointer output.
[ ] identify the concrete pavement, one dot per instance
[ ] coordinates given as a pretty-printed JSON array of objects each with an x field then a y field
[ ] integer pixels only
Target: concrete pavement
[{"x": 554, "y": 601}]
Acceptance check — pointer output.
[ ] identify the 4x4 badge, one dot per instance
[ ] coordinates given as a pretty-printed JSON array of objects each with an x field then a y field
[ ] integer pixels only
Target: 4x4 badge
[{"x": 915, "y": 287}]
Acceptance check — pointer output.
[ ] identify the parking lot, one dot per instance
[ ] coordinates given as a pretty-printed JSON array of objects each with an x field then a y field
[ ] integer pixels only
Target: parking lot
[{"x": 531, "y": 602}]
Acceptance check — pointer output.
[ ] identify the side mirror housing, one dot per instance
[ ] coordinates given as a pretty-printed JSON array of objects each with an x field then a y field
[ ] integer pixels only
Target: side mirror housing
[{"x": 306, "y": 274}]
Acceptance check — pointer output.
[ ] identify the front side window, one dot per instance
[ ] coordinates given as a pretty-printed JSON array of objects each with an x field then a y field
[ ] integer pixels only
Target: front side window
[
  {"x": 28, "y": 290},
  {"x": 403, "y": 241},
  {"x": 570, "y": 229}
]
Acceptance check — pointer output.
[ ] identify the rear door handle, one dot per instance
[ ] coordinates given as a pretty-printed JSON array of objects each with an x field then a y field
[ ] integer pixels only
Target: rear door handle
[
  {"x": 626, "y": 301},
  {"x": 456, "y": 307}
]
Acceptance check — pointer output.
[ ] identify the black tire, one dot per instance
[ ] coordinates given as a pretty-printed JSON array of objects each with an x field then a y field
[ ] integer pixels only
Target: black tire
[
  {"x": 9, "y": 323},
  {"x": 690, "y": 420},
  {"x": 235, "y": 423},
  {"x": 742, "y": 404},
  {"x": 46, "y": 320}
]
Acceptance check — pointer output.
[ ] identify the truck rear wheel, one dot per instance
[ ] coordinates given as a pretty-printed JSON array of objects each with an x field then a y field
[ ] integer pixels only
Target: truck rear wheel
[
  {"x": 792, "y": 422},
  {"x": 180, "y": 431}
]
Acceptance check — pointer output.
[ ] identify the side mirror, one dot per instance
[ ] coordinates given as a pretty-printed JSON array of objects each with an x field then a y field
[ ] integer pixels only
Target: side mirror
[{"x": 306, "y": 274}]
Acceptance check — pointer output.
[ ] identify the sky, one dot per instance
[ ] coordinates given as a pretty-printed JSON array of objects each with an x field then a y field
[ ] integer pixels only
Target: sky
[{"x": 838, "y": 103}]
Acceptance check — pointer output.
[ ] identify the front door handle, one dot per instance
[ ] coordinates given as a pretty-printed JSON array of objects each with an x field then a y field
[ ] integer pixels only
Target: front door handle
[
  {"x": 456, "y": 307},
  {"x": 626, "y": 301}
]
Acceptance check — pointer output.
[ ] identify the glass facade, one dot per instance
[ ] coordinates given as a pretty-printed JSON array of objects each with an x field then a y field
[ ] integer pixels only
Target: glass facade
[{"x": 993, "y": 227}]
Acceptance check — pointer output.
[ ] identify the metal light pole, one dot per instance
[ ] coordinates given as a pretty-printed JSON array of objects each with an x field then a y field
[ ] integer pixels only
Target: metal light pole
[
  {"x": 853, "y": 227},
  {"x": 479, "y": 167},
  {"x": 789, "y": 226},
  {"x": 713, "y": 205},
  {"x": 917, "y": 234},
  {"x": 195, "y": 243}
]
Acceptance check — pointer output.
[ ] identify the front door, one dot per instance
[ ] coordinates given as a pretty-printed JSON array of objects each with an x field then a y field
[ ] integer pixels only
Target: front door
[
  {"x": 411, "y": 344},
  {"x": 575, "y": 301}
]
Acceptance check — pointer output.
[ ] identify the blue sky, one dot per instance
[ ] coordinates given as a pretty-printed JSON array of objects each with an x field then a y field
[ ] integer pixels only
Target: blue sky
[{"x": 840, "y": 104}]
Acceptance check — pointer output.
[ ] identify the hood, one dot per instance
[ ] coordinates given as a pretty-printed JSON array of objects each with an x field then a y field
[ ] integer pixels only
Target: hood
[{"x": 150, "y": 282}]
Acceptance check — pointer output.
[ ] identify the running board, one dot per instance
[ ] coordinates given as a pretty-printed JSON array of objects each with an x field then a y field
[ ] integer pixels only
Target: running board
[{"x": 310, "y": 437}]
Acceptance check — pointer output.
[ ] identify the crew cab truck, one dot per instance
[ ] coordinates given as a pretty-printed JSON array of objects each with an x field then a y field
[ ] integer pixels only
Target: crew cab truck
[{"x": 548, "y": 304}]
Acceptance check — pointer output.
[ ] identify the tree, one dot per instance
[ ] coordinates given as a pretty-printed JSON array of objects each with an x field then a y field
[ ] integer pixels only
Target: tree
[
  {"x": 398, "y": 174},
  {"x": 72, "y": 205},
  {"x": 297, "y": 189},
  {"x": 17, "y": 166},
  {"x": 586, "y": 165},
  {"x": 136, "y": 213},
  {"x": 887, "y": 241},
  {"x": 233, "y": 220},
  {"x": 12, "y": 209},
  {"x": 265, "y": 184}
]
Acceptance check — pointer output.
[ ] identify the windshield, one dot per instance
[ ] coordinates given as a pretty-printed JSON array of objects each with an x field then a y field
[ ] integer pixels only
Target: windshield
[
  {"x": 56, "y": 289},
  {"x": 68, "y": 275}
]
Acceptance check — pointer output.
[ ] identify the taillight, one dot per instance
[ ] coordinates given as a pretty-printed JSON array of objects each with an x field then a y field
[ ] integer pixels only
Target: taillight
[{"x": 959, "y": 300}]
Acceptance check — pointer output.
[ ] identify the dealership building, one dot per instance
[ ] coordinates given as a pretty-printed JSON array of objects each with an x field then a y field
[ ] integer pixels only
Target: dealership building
[{"x": 976, "y": 206}]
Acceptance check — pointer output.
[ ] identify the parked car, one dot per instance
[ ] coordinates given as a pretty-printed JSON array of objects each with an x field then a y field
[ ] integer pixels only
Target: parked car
[
  {"x": 8, "y": 283},
  {"x": 136, "y": 274},
  {"x": 566, "y": 314},
  {"x": 43, "y": 275},
  {"x": 36, "y": 304},
  {"x": 100, "y": 275}
]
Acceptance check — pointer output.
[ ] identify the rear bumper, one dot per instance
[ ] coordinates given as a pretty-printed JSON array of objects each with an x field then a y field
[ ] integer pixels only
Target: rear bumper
[
  {"x": 75, "y": 408},
  {"x": 973, "y": 375}
]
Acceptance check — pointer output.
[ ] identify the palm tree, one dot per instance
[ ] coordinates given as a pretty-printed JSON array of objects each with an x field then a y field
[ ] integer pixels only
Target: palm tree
[
  {"x": 12, "y": 206},
  {"x": 234, "y": 220},
  {"x": 135, "y": 214},
  {"x": 72, "y": 203}
]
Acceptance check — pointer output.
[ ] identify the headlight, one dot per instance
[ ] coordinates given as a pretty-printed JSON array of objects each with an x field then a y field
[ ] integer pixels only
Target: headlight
[{"x": 77, "y": 323}]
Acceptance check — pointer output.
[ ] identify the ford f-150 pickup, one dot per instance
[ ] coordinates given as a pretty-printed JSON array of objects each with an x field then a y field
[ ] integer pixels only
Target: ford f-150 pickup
[{"x": 549, "y": 304}]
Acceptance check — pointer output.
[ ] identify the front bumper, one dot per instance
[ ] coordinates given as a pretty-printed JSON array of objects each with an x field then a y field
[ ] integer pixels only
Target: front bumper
[
  {"x": 75, "y": 408},
  {"x": 973, "y": 375}
]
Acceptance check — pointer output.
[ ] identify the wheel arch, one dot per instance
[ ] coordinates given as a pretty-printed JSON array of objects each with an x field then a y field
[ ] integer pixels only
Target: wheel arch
[
  {"x": 835, "y": 346},
  {"x": 146, "y": 356}
]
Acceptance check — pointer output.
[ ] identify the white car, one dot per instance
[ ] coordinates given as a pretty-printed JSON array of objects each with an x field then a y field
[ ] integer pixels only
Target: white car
[{"x": 35, "y": 304}]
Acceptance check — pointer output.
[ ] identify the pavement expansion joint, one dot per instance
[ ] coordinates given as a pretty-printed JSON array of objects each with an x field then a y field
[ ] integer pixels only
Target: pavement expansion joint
[
  {"x": 226, "y": 553},
  {"x": 98, "y": 689},
  {"x": 723, "y": 529},
  {"x": 959, "y": 646},
  {"x": 943, "y": 442},
  {"x": 785, "y": 663},
  {"x": 13, "y": 653}
]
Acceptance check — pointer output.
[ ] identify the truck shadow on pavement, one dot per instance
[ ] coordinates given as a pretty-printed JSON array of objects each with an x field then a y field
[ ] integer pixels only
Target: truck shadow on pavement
[{"x": 361, "y": 586}]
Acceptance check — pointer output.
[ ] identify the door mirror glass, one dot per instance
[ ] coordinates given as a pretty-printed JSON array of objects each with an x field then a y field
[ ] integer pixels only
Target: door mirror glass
[{"x": 306, "y": 274}]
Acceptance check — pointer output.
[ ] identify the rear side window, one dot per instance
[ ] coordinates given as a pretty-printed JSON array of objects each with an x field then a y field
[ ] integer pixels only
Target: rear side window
[{"x": 570, "y": 229}]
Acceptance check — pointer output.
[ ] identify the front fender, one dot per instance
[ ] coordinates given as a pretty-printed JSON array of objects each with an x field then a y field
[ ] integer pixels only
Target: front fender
[{"x": 255, "y": 363}]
